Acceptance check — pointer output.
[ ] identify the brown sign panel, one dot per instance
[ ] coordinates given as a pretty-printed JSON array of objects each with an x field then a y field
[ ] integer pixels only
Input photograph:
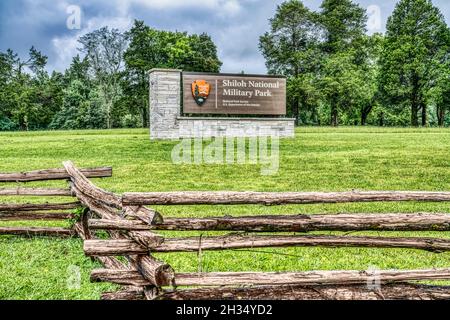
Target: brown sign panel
[{"x": 205, "y": 93}]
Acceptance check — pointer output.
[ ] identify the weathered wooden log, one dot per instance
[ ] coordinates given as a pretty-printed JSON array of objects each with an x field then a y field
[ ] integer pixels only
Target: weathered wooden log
[
  {"x": 35, "y": 192},
  {"x": 87, "y": 192},
  {"x": 53, "y": 174},
  {"x": 36, "y": 232},
  {"x": 402, "y": 291},
  {"x": 113, "y": 263},
  {"x": 309, "y": 278},
  {"x": 276, "y": 198},
  {"x": 89, "y": 189},
  {"x": 308, "y": 223},
  {"x": 147, "y": 269},
  {"x": 253, "y": 241},
  {"x": 103, "y": 211},
  {"x": 194, "y": 244},
  {"x": 143, "y": 214},
  {"x": 145, "y": 238},
  {"x": 156, "y": 272},
  {"x": 84, "y": 224},
  {"x": 121, "y": 225},
  {"x": 27, "y": 215},
  {"x": 295, "y": 292},
  {"x": 299, "y": 223},
  {"x": 108, "y": 262},
  {"x": 122, "y": 277},
  {"x": 160, "y": 273},
  {"x": 113, "y": 248},
  {"x": 127, "y": 294},
  {"x": 38, "y": 207}
]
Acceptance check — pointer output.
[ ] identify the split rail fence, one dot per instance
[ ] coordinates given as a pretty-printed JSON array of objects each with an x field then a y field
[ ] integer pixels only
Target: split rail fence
[{"x": 132, "y": 233}]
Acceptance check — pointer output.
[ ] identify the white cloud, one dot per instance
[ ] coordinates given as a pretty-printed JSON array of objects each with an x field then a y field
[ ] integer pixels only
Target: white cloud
[
  {"x": 230, "y": 7},
  {"x": 66, "y": 47},
  {"x": 221, "y": 7}
]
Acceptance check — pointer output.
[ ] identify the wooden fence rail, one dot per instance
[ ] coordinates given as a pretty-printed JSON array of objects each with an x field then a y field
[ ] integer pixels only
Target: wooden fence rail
[
  {"x": 296, "y": 292},
  {"x": 39, "y": 215},
  {"x": 399, "y": 291},
  {"x": 301, "y": 223},
  {"x": 132, "y": 228},
  {"x": 156, "y": 272},
  {"x": 311, "y": 278},
  {"x": 195, "y": 244},
  {"x": 33, "y": 232},
  {"x": 53, "y": 174},
  {"x": 276, "y": 198},
  {"x": 35, "y": 192},
  {"x": 38, "y": 207},
  {"x": 41, "y": 211}
]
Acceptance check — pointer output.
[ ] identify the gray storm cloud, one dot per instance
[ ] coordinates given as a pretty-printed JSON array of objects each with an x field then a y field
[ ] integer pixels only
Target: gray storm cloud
[{"x": 235, "y": 25}]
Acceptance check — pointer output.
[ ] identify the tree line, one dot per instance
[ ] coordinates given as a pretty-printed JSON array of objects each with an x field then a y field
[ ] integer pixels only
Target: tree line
[
  {"x": 337, "y": 74},
  {"x": 106, "y": 85}
]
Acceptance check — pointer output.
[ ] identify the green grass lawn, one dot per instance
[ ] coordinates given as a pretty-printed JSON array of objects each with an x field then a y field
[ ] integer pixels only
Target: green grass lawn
[{"x": 319, "y": 159}]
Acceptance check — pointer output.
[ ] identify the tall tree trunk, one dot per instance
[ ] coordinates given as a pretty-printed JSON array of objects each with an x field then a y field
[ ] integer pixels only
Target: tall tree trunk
[
  {"x": 381, "y": 119},
  {"x": 146, "y": 105},
  {"x": 415, "y": 102},
  {"x": 440, "y": 116},
  {"x": 297, "y": 110},
  {"x": 414, "y": 117},
  {"x": 334, "y": 112},
  {"x": 365, "y": 111},
  {"x": 363, "y": 118},
  {"x": 424, "y": 114},
  {"x": 315, "y": 116},
  {"x": 145, "y": 115},
  {"x": 108, "y": 115},
  {"x": 334, "y": 116}
]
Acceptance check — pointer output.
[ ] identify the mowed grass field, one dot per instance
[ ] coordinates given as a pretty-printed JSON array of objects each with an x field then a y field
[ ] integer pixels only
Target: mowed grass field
[{"x": 318, "y": 159}]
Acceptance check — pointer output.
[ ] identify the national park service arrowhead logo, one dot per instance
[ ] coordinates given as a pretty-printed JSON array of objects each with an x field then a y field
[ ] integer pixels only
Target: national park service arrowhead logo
[{"x": 200, "y": 91}]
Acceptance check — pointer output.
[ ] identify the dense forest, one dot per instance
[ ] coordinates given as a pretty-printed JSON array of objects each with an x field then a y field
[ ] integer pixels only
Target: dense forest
[{"x": 337, "y": 73}]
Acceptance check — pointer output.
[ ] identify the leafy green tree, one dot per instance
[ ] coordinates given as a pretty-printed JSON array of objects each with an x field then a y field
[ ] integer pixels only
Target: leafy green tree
[
  {"x": 6, "y": 91},
  {"x": 104, "y": 49},
  {"x": 75, "y": 95},
  {"x": 326, "y": 57},
  {"x": 343, "y": 86},
  {"x": 46, "y": 97},
  {"x": 150, "y": 48},
  {"x": 82, "y": 102},
  {"x": 417, "y": 43},
  {"x": 203, "y": 56},
  {"x": 78, "y": 70},
  {"x": 291, "y": 49},
  {"x": 440, "y": 93},
  {"x": 81, "y": 109},
  {"x": 344, "y": 22},
  {"x": 367, "y": 56},
  {"x": 23, "y": 95},
  {"x": 344, "y": 29}
]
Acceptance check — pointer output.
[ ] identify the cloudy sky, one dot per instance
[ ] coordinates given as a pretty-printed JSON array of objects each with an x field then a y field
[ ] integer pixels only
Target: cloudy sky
[{"x": 235, "y": 25}]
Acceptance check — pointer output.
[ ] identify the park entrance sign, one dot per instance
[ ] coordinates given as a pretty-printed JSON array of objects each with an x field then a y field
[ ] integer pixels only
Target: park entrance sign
[
  {"x": 204, "y": 105},
  {"x": 229, "y": 94}
]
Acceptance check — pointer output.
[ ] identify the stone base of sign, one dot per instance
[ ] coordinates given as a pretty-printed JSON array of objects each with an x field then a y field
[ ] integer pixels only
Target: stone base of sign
[
  {"x": 166, "y": 121},
  {"x": 235, "y": 127}
]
